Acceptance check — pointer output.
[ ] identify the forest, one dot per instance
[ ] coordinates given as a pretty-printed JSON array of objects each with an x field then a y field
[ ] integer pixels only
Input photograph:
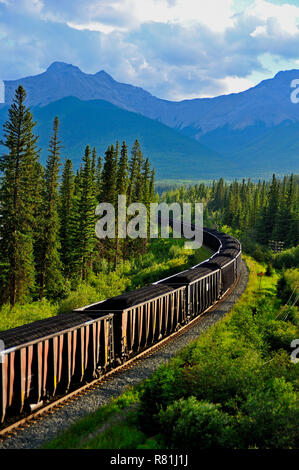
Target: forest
[
  {"x": 47, "y": 233},
  {"x": 263, "y": 215}
]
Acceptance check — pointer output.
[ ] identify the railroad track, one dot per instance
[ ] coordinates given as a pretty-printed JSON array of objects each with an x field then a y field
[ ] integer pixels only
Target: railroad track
[{"x": 13, "y": 427}]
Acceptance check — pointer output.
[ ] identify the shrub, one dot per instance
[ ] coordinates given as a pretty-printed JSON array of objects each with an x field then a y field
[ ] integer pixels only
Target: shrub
[
  {"x": 279, "y": 334},
  {"x": 288, "y": 286},
  {"x": 271, "y": 416},
  {"x": 20, "y": 314},
  {"x": 192, "y": 424},
  {"x": 158, "y": 392},
  {"x": 287, "y": 258},
  {"x": 289, "y": 313},
  {"x": 84, "y": 295},
  {"x": 269, "y": 270}
]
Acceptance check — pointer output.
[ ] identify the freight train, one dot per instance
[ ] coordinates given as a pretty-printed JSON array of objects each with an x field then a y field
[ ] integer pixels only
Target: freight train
[{"x": 51, "y": 356}]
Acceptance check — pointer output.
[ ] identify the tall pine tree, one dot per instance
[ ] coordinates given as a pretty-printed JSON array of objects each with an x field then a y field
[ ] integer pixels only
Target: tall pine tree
[
  {"x": 86, "y": 228},
  {"x": 20, "y": 172},
  {"x": 49, "y": 267},
  {"x": 66, "y": 208}
]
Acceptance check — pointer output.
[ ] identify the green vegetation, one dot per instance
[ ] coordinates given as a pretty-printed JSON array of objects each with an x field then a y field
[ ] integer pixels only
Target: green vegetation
[
  {"x": 234, "y": 387},
  {"x": 288, "y": 286},
  {"x": 163, "y": 258},
  {"x": 47, "y": 231},
  {"x": 259, "y": 214}
]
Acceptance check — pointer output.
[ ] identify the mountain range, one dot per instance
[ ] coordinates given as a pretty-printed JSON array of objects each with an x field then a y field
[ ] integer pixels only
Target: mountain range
[{"x": 252, "y": 133}]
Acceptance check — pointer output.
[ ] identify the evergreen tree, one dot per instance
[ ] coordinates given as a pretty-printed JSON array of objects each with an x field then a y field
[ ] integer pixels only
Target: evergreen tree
[
  {"x": 137, "y": 195},
  {"x": 133, "y": 168},
  {"x": 152, "y": 185},
  {"x": 66, "y": 208},
  {"x": 109, "y": 194},
  {"x": 122, "y": 174},
  {"x": 85, "y": 236},
  {"x": 94, "y": 171},
  {"x": 49, "y": 267},
  {"x": 99, "y": 178},
  {"x": 270, "y": 212},
  {"x": 18, "y": 198},
  {"x": 146, "y": 196},
  {"x": 109, "y": 177},
  {"x": 146, "y": 183}
]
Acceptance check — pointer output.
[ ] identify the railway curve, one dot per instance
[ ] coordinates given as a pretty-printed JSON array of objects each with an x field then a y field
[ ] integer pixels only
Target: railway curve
[{"x": 50, "y": 361}]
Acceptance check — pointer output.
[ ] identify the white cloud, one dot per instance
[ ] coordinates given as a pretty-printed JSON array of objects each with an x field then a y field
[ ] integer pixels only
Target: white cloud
[
  {"x": 234, "y": 85},
  {"x": 173, "y": 48},
  {"x": 286, "y": 16},
  {"x": 99, "y": 14}
]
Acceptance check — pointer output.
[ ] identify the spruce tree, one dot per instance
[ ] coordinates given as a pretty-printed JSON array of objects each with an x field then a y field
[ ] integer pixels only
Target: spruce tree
[
  {"x": 133, "y": 168},
  {"x": 122, "y": 174},
  {"x": 66, "y": 208},
  {"x": 99, "y": 178},
  {"x": 109, "y": 177},
  {"x": 152, "y": 185},
  {"x": 121, "y": 187},
  {"x": 94, "y": 171},
  {"x": 48, "y": 258},
  {"x": 18, "y": 197},
  {"x": 86, "y": 210},
  {"x": 138, "y": 186}
]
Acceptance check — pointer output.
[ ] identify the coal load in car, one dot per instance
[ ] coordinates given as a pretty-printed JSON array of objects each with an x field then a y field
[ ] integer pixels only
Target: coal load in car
[
  {"x": 129, "y": 299},
  {"x": 211, "y": 240},
  {"x": 231, "y": 252}
]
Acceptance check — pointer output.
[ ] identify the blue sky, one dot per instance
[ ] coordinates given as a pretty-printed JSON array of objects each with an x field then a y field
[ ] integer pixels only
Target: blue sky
[{"x": 175, "y": 49}]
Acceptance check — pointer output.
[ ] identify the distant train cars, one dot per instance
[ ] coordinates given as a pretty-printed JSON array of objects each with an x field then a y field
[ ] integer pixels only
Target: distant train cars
[
  {"x": 201, "y": 288},
  {"x": 51, "y": 356}
]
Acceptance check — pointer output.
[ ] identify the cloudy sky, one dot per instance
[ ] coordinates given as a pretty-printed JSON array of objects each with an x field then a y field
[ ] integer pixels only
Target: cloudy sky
[{"x": 175, "y": 49}]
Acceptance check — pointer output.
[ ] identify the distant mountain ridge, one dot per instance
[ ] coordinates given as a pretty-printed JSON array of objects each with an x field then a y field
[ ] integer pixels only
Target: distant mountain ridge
[
  {"x": 61, "y": 80},
  {"x": 267, "y": 102},
  {"x": 255, "y": 130},
  {"x": 100, "y": 123}
]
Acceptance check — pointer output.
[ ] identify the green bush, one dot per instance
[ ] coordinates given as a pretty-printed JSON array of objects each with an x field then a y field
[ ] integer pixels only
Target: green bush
[
  {"x": 287, "y": 258},
  {"x": 289, "y": 313},
  {"x": 279, "y": 334},
  {"x": 191, "y": 424},
  {"x": 84, "y": 295},
  {"x": 157, "y": 393},
  {"x": 269, "y": 270},
  {"x": 11, "y": 317},
  {"x": 288, "y": 286},
  {"x": 271, "y": 416}
]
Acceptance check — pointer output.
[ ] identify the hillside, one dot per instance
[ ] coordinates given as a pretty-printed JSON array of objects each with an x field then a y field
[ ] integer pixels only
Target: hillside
[
  {"x": 269, "y": 102},
  {"x": 99, "y": 123},
  {"x": 253, "y": 133}
]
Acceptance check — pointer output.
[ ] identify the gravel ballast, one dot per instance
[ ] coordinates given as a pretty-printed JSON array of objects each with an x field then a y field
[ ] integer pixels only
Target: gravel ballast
[{"x": 48, "y": 427}]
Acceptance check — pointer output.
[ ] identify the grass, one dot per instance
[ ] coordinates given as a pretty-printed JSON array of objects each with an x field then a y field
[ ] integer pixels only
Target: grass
[
  {"x": 116, "y": 425},
  {"x": 95, "y": 426}
]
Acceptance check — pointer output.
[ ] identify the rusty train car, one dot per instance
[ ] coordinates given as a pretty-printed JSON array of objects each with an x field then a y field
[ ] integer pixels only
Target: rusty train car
[{"x": 52, "y": 356}]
